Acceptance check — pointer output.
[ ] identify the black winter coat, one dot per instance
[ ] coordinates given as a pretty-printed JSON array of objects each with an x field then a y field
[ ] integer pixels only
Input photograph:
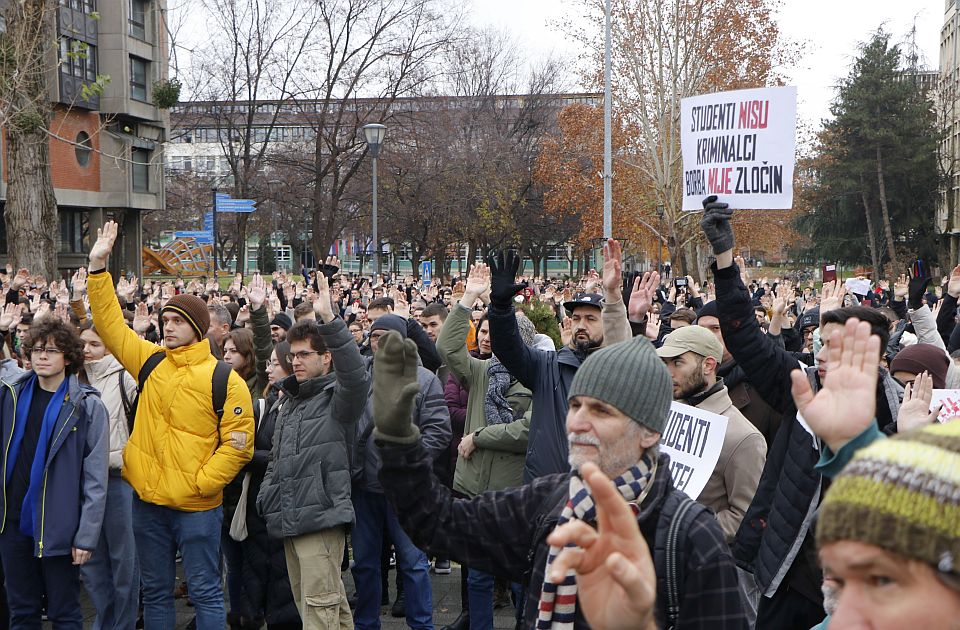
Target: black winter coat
[
  {"x": 776, "y": 531},
  {"x": 265, "y": 576}
]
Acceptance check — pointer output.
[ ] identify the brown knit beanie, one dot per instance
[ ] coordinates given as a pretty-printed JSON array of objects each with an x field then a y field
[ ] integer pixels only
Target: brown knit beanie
[
  {"x": 191, "y": 308},
  {"x": 923, "y": 356}
]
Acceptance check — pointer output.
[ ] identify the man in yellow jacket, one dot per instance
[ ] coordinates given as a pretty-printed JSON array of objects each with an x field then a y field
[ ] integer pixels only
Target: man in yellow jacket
[{"x": 180, "y": 454}]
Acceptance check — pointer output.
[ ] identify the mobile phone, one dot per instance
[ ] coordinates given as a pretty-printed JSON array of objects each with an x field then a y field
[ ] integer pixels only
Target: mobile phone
[{"x": 680, "y": 283}]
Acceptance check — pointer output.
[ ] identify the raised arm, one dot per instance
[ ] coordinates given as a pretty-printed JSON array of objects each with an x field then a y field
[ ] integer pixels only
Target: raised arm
[
  {"x": 120, "y": 339},
  {"x": 613, "y": 312},
  {"x": 262, "y": 343},
  {"x": 353, "y": 383},
  {"x": 451, "y": 344}
]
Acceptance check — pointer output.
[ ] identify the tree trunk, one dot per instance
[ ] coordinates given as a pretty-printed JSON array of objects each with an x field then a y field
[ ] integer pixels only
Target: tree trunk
[
  {"x": 871, "y": 231},
  {"x": 30, "y": 214},
  {"x": 885, "y": 212}
]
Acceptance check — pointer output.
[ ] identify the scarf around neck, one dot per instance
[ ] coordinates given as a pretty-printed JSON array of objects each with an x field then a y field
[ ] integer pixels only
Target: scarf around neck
[
  {"x": 496, "y": 408},
  {"x": 49, "y": 421},
  {"x": 558, "y": 602}
]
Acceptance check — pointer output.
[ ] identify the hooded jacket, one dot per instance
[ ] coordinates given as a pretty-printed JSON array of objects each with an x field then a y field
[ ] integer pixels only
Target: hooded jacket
[
  {"x": 74, "y": 496},
  {"x": 306, "y": 487},
  {"x": 180, "y": 454},
  {"x": 107, "y": 376}
]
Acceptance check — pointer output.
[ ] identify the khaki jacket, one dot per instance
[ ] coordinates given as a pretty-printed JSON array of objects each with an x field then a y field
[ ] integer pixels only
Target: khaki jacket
[{"x": 734, "y": 481}]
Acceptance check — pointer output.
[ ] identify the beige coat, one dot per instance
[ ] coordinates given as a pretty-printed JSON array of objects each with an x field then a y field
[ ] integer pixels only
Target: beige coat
[{"x": 733, "y": 483}]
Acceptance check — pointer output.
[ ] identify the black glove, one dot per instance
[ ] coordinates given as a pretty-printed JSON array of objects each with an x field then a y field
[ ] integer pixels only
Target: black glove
[
  {"x": 716, "y": 225},
  {"x": 329, "y": 270},
  {"x": 917, "y": 287},
  {"x": 503, "y": 275}
]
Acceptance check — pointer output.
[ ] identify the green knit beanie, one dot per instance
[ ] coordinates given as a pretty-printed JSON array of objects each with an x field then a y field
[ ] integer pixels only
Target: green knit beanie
[
  {"x": 902, "y": 495},
  {"x": 631, "y": 377}
]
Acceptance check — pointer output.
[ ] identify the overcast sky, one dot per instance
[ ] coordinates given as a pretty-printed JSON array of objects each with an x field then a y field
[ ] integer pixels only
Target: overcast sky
[{"x": 831, "y": 30}]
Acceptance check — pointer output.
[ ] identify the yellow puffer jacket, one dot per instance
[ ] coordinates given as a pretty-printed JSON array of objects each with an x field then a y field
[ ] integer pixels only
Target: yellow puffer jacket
[{"x": 176, "y": 457}]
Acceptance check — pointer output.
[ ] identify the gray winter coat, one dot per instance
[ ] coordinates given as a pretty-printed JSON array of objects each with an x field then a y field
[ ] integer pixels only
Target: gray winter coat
[
  {"x": 430, "y": 414},
  {"x": 307, "y": 485}
]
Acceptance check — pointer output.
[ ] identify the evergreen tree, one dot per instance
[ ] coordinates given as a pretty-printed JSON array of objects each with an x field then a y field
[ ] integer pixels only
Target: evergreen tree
[{"x": 875, "y": 185}]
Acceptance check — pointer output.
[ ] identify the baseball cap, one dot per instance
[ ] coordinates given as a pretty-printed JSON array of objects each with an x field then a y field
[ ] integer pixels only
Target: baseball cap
[
  {"x": 696, "y": 339},
  {"x": 583, "y": 299}
]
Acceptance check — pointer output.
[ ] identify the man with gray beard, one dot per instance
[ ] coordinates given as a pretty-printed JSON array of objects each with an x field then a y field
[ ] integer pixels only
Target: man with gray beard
[{"x": 618, "y": 402}]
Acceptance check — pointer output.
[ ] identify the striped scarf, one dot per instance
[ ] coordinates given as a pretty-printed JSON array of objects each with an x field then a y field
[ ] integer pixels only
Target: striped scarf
[{"x": 558, "y": 602}]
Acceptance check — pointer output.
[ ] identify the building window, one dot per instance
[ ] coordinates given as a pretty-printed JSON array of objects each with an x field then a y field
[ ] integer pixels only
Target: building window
[
  {"x": 140, "y": 170},
  {"x": 74, "y": 231},
  {"x": 138, "y": 18},
  {"x": 78, "y": 59},
  {"x": 83, "y": 148},
  {"x": 138, "y": 78}
]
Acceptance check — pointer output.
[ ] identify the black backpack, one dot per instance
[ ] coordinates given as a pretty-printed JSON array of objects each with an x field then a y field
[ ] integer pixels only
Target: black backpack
[{"x": 221, "y": 376}]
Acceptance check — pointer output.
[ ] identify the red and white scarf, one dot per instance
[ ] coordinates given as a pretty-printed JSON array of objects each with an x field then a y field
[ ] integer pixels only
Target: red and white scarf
[{"x": 558, "y": 602}]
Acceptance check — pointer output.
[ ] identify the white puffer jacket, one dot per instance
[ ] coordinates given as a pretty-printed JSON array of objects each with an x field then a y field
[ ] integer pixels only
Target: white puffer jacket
[{"x": 106, "y": 375}]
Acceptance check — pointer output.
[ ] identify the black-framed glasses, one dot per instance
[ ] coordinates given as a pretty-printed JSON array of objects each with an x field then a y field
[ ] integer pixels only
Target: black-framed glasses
[
  {"x": 302, "y": 355},
  {"x": 42, "y": 350}
]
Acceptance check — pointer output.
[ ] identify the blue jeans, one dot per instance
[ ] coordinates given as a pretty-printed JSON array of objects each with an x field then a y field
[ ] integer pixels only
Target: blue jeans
[
  {"x": 373, "y": 514},
  {"x": 28, "y": 578},
  {"x": 160, "y": 531},
  {"x": 111, "y": 576},
  {"x": 480, "y": 596}
]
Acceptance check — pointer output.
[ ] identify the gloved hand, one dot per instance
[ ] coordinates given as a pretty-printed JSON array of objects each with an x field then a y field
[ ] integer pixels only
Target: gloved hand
[
  {"x": 716, "y": 225},
  {"x": 395, "y": 386},
  {"x": 503, "y": 276},
  {"x": 918, "y": 286}
]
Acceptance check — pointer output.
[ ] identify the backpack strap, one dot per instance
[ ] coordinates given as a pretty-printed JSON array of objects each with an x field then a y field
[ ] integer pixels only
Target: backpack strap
[
  {"x": 124, "y": 399},
  {"x": 147, "y": 368},
  {"x": 678, "y": 513},
  {"x": 221, "y": 377}
]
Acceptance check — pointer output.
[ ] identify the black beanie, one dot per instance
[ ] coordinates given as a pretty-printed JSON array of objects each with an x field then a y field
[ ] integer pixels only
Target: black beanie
[{"x": 391, "y": 322}]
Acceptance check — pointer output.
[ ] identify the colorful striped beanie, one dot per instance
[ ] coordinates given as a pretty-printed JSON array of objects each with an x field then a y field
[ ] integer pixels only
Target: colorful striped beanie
[{"x": 902, "y": 495}]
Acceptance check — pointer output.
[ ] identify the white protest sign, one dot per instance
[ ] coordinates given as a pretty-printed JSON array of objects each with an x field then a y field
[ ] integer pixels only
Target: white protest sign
[
  {"x": 740, "y": 146},
  {"x": 951, "y": 403},
  {"x": 858, "y": 285},
  {"x": 693, "y": 439}
]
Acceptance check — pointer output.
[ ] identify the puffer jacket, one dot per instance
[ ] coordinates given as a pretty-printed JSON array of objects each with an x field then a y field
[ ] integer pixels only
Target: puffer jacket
[
  {"x": 107, "y": 376},
  {"x": 775, "y": 539},
  {"x": 307, "y": 487},
  {"x": 180, "y": 454},
  {"x": 497, "y": 463}
]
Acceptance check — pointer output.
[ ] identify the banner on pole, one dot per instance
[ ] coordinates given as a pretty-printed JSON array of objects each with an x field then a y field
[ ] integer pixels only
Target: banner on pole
[
  {"x": 693, "y": 439},
  {"x": 740, "y": 146}
]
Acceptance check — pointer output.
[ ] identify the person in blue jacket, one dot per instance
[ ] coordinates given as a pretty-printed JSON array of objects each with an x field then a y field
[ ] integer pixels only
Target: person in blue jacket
[{"x": 55, "y": 454}]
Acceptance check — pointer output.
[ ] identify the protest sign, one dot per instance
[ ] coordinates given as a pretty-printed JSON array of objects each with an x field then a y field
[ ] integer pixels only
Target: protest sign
[
  {"x": 951, "y": 403},
  {"x": 740, "y": 146},
  {"x": 860, "y": 286},
  {"x": 693, "y": 439}
]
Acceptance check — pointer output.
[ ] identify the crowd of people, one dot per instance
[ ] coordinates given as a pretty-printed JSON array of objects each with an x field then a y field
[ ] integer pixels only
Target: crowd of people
[{"x": 273, "y": 434}]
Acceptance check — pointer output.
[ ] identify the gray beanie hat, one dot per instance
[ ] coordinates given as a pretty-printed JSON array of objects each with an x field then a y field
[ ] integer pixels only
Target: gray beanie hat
[{"x": 631, "y": 377}]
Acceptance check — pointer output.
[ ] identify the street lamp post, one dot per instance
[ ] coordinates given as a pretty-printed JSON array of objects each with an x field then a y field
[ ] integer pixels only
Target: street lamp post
[
  {"x": 660, "y": 237},
  {"x": 374, "y": 133}
]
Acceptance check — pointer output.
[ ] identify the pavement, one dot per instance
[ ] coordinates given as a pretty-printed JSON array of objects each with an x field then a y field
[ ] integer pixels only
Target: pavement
[{"x": 446, "y": 604}]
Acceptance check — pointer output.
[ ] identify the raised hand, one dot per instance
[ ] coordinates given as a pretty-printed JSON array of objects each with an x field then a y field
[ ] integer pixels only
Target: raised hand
[
  {"x": 831, "y": 296},
  {"x": 641, "y": 298},
  {"x": 257, "y": 291},
  {"x": 503, "y": 278},
  {"x": 616, "y": 579},
  {"x": 331, "y": 267},
  {"x": 79, "y": 283},
  {"x": 612, "y": 270},
  {"x": 43, "y": 310},
  {"x": 395, "y": 386},
  {"x": 953, "y": 284},
  {"x": 901, "y": 287},
  {"x": 10, "y": 313},
  {"x": 478, "y": 283},
  {"x": 847, "y": 403},
  {"x": 590, "y": 281},
  {"x": 22, "y": 277},
  {"x": 652, "y": 331},
  {"x": 915, "y": 409},
  {"x": 322, "y": 305},
  {"x": 716, "y": 225},
  {"x": 566, "y": 331},
  {"x": 100, "y": 252},
  {"x": 141, "y": 319}
]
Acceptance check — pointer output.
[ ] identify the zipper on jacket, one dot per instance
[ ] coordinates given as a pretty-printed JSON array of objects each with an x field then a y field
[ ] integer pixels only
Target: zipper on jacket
[
  {"x": 46, "y": 470},
  {"x": 6, "y": 452}
]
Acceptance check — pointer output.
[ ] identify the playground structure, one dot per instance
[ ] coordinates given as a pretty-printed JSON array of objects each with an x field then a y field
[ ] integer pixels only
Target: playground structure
[{"x": 183, "y": 255}]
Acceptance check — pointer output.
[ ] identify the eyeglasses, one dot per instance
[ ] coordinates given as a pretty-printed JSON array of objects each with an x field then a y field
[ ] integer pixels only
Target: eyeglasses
[
  {"x": 302, "y": 355},
  {"x": 47, "y": 351}
]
